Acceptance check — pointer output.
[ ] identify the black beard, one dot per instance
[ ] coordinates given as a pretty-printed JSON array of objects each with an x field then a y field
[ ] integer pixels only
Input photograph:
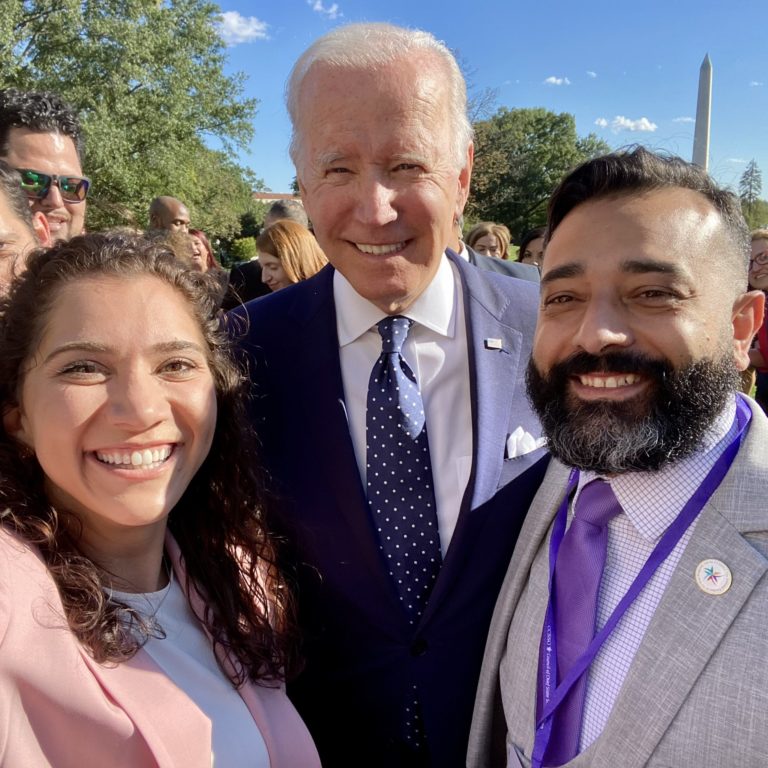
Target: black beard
[{"x": 661, "y": 426}]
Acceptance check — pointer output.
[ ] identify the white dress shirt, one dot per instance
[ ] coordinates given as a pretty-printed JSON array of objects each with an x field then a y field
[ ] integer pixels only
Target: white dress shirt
[
  {"x": 436, "y": 351},
  {"x": 650, "y": 502}
]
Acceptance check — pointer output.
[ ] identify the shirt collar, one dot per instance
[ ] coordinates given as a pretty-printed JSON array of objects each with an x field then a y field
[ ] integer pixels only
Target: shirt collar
[
  {"x": 434, "y": 309},
  {"x": 652, "y": 500}
]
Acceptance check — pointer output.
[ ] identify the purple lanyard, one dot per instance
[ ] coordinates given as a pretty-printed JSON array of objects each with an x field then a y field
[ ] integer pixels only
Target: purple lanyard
[{"x": 547, "y": 674}]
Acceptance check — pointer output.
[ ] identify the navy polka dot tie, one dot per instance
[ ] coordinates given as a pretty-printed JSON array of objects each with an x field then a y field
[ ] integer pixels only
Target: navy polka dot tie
[{"x": 399, "y": 472}]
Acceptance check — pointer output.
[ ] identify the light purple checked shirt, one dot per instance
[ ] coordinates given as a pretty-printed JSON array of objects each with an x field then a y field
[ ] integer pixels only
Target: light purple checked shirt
[{"x": 650, "y": 502}]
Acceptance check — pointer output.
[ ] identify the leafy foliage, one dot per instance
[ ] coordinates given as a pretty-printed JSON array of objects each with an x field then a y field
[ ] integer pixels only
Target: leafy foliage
[
  {"x": 520, "y": 156},
  {"x": 147, "y": 78},
  {"x": 243, "y": 248}
]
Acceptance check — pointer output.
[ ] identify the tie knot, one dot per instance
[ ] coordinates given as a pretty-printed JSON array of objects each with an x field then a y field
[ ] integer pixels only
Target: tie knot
[
  {"x": 597, "y": 504},
  {"x": 393, "y": 331}
]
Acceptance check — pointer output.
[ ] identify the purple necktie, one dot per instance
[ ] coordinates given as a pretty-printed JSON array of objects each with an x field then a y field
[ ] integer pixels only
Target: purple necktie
[{"x": 578, "y": 570}]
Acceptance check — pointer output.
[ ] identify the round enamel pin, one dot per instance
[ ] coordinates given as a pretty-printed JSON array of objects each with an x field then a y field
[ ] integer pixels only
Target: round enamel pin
[{"x": 713, "y": 577}]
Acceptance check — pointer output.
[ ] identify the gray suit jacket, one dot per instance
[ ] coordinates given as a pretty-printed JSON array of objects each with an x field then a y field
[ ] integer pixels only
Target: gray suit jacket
[{"x": 697, "y": 691}]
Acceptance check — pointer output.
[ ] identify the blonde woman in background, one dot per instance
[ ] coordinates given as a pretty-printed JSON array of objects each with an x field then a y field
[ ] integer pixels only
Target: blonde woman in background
[
  {"x": 489, "y": 239},
  {"x": 288, "y": 253}
]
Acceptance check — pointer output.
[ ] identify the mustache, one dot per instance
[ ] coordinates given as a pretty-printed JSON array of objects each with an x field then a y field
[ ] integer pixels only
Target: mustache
[{"x": 611, "y": 362}]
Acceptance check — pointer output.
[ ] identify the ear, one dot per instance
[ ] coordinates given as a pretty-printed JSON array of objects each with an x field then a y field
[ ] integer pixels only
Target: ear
[
  {"x": 13, "y": 424},
  {"x": 746, "y": 318},
  {"x": 464, "y": 178},
  {"x": 42, "y": 229}
]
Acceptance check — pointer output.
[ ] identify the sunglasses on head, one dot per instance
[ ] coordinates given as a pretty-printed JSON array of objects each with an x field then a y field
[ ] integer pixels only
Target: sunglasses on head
[{"x": 37, "y": 184}]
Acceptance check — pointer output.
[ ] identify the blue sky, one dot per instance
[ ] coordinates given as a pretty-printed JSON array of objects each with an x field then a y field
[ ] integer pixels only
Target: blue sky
[{"x": 627, "y": 71}]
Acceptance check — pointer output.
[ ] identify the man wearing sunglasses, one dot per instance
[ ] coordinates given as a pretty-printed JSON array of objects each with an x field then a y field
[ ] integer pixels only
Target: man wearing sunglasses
[{"x": 40, "y": 137}]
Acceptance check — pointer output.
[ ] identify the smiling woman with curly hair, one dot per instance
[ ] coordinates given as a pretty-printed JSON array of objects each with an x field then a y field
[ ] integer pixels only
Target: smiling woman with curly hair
[{"x": 143, "y": 619}]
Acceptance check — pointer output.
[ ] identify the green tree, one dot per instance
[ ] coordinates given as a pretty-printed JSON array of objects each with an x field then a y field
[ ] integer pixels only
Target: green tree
[
  {"x": 756, "y": 214},
  {"x": 750, "y": 186},
  {"x": 147, "y": 77},
  {"x": 520, "y": 156},
  {"x": 243, "y": 248}
]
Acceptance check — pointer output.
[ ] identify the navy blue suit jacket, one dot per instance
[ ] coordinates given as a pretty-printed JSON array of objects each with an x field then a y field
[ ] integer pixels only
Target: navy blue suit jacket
[{"x": 362, "y": 658}]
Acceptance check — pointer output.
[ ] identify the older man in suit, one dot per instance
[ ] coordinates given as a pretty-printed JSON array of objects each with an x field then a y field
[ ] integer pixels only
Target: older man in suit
[
  {"x": 388, "y": 391},
  {"x": 631, "y": 629}
]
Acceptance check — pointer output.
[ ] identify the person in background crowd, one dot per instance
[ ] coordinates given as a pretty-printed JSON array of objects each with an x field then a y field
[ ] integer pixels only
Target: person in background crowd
[
  {"x": 651, "y": 525},
  {"x": 246, "y": 280},
  {"x": 387, "y": 392},
  {"x": 758, "y": 280},
  {"x": 202, "y": 251},
  {"x": 288, "y": 253},
  {"x": 531, "y": 249},
  {"x": 292, "y": 210},
  {"x": 168, "y": 213},
  {"x": 204, "y": 261},
  {"x": 135, "y": 555},
  {"x": 187, "y": 249},
  {"x": 489, "y": 239},
  {"x": 40, "y": 137},
  {"x": 511, "y": 268},
  {"x": 21, "y": 229}
]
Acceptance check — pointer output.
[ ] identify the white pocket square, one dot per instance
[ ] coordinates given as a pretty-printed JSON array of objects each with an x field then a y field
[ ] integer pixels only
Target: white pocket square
[{"x": 521, "y": 442}]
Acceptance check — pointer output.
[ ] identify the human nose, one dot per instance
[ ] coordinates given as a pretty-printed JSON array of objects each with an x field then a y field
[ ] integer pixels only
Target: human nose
[
  {"x": 376, "y": 202},
  {"x": 53, "y": 198},
  {"x": 603, "y": 325},
  {"x": 137, "y": 400}
]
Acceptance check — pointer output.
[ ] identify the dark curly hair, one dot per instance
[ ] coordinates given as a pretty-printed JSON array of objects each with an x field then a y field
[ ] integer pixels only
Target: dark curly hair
[
  {"x": 221, "y": 523},
  {"x": 40, "y": 111}
]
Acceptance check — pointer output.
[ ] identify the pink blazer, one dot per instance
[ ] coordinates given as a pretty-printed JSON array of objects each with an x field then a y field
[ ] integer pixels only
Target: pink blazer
[{"x": 58, "y": 707}]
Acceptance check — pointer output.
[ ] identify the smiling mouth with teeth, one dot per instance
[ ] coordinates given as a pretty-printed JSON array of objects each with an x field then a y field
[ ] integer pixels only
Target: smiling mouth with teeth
[
  {"x": 609, "y": 382},
  {"x": 147, "y": 458},
  {"x": 380, "y": 250}
]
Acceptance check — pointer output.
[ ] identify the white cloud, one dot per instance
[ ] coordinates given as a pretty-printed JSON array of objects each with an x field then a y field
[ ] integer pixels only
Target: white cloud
[
  {"x": 332, "y": 11},
  {"x": 235, "y": 28},
  {"x": 602, "y": 122},
  {"x": 641, "y": 125},
  {"x": 735, "y": 160},
  {"x": 683, "y": 120},
  {"x": 755, "y": 84},
  {"x": 557, "y": 81},
  {"x": 591, "y": 74}
]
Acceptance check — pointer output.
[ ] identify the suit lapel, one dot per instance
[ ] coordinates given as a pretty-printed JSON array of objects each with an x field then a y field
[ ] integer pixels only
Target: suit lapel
[
  {"x": 150, "y": 698},
  {"x": 686, "y": 630},
  {"x": 689, "y": 624},
  {"x": 492, "y": 374}
]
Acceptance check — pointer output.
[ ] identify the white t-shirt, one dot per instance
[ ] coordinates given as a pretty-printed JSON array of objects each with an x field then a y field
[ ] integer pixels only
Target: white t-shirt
[{"x": 186, "y": 656}]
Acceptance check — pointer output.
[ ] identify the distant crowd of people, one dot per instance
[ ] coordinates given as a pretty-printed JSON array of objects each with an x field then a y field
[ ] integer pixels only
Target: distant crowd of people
[{"x": 382, "y": 496}]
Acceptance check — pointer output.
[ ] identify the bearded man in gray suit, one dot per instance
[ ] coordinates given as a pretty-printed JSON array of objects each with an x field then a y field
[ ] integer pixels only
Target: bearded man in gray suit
[{"x": 632, "y": 629}]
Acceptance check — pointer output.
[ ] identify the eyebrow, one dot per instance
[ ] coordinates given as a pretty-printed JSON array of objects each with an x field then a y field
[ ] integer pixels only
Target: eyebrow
[
  {"x": 644, "y": 266},
  {"x": 91, "y": 346},
  {"x": 630, "y": 266},
  {"x": 328, "y": 158},
  {"x": 559, "y": 273}
]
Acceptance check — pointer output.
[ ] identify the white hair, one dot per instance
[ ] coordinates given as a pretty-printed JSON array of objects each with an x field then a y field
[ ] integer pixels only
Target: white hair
[{"x": 368, "y": 47}]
